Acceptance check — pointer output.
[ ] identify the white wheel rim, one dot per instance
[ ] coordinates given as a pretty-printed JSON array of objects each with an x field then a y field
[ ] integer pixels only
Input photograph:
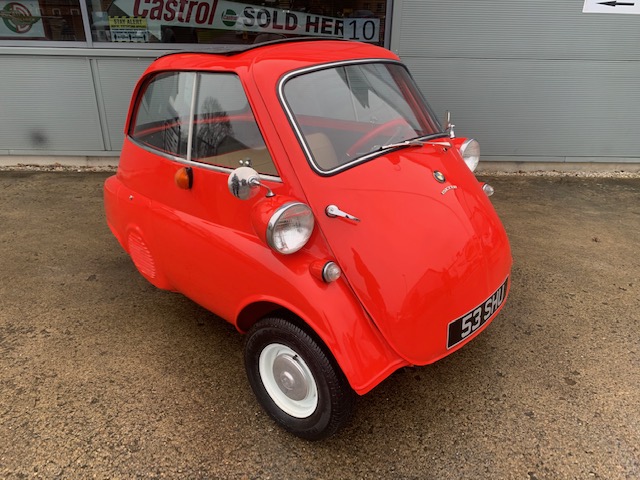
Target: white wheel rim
[{"x": 288, "y": 380}]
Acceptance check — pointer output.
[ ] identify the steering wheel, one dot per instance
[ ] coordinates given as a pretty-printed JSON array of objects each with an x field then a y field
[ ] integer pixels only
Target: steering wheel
[{"x": 379, "y": 130}]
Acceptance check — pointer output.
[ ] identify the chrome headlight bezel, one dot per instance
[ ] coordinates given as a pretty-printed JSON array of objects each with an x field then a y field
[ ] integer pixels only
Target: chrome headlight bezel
[
  {"x": 300, "y": 218},
  {"x": 470, "y": 152}
]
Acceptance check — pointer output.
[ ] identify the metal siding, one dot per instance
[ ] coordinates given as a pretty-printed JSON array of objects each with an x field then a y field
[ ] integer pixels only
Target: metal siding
[
  {"x": 540, "y": 29},
  {"x": 117, "y": 78},
  {"x": 532, "y": 81},
  {"x": 537, "y": 107},
  {"x": 48, "y": 104}
]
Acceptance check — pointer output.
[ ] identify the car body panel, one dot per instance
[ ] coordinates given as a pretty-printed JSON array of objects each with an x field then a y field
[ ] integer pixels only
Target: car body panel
[
  {"x": 423, "y": 253},
  {"x": 183, "y": 246}
]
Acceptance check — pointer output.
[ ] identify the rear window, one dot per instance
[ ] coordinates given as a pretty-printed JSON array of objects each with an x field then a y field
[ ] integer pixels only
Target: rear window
[{"x": 162, "y": 115}]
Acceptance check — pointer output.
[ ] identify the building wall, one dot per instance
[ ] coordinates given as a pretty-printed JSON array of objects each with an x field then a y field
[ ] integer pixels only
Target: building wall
[
  {"x": 67, "y": 77},
  {"x": 532, "y": 81},
  {"x": 61, "y": 101}
]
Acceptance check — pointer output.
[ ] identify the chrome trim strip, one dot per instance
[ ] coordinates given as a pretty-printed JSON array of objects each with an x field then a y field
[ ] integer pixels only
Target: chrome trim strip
[
  {"x": 192, "y": 163},
  {"x": 192, "y": 113}
]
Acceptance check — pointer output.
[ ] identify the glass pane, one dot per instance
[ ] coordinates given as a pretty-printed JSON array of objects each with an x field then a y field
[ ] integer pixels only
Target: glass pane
[
  {"x": 348, "y": 112},
  {"x": 56, "y": 20},
  {"x": 225, "y": 130},
  {"x": 225, "y": 22},
  {"x": 163, "y": 113}
]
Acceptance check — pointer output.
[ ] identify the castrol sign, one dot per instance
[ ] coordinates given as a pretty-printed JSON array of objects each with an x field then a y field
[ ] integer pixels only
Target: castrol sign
[
  {"x": 186, "y": 13},
  {"x": 225, "y": 15}
]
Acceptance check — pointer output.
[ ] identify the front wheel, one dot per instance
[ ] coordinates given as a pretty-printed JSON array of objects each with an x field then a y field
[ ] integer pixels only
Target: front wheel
[{"x": 295, "y": 381}]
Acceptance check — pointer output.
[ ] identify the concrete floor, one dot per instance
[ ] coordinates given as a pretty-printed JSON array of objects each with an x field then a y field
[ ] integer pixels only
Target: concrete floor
[{"x": 104, "y": 376}]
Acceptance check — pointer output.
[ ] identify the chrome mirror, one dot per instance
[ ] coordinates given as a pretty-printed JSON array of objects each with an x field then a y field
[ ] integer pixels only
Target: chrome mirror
[{"x": 244, "y": 183}]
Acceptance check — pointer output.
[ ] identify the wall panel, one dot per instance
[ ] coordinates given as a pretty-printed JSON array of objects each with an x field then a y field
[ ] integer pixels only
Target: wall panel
[
  {"x": 116, "y": 79},
  {"x": 48, "y": 104},
  {"x": 533, "y": 81}
]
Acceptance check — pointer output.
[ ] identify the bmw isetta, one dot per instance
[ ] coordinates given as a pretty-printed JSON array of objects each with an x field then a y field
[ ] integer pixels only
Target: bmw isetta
[{"x": 304, "y": 191}]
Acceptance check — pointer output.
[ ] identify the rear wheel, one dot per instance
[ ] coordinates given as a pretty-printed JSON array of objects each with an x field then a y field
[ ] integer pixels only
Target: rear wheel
[{"x": 295, "y": 381}]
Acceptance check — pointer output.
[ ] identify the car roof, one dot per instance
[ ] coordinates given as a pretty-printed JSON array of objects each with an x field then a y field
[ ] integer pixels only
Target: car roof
[
  {"x": 284, "y": 55},
  {"x": 238, "y": 48}
]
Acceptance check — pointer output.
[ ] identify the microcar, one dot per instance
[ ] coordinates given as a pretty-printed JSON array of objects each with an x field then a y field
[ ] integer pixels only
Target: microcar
[{"x": 304, "y": 191}]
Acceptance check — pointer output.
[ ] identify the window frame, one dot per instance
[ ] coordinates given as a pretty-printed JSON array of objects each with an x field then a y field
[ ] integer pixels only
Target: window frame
[
  {"x": 86, "y": 29},
  {"x": 123, "y": 46}
]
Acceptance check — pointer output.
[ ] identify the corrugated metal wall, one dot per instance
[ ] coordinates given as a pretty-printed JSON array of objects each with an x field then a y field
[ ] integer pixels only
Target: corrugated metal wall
[
  {"x": 531, "y": 80},
  {"x": 48, "y": 107},
  {"x": 117, "y": 77},
  {"x": 57, "y": 104}
]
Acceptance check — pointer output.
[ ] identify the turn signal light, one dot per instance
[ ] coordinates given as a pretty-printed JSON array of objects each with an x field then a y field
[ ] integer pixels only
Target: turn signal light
[
  {"x": 488, "y": 189},
  {"x": 184, "y": 178},
  {"x": 325, "y": 271}
]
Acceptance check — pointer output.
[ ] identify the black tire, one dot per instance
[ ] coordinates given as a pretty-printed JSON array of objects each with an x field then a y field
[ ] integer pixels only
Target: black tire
[{"x": 312, "y": 410}]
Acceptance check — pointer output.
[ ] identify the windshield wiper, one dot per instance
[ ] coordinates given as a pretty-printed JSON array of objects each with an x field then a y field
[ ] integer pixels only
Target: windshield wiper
[{"x": 410, "y": 143}]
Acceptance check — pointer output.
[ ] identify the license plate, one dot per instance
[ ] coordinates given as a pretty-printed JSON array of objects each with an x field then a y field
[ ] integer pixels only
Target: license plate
[{"x": 470, "y": 322}]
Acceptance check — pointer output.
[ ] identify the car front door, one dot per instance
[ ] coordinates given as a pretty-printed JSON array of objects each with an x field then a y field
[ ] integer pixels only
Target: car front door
[
  {"x": 200, "y": 126},
  {"x": 407, "y": 221}
]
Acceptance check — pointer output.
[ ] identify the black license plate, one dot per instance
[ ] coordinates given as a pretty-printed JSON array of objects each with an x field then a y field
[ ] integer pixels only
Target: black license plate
[{"x": 470, "y": 322}]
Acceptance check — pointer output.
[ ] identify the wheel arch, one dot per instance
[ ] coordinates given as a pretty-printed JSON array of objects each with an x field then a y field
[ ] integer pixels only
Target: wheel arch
[
  {"x": 353, "y": 343},
  {"x": 254, "y": 312}
]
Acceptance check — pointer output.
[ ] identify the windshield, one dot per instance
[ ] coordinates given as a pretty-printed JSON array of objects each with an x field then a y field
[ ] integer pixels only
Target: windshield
[{"x": 347, "y": 114}]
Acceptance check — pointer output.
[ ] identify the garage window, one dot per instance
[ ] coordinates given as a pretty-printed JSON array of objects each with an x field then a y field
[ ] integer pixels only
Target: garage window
[
  {"x": 49, "y": 20},
  {"x": 155, "y": 23}
]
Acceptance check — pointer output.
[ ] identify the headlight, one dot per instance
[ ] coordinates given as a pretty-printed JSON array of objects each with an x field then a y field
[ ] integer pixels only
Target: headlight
[
  {"x": 290, "y": 227},
  {"x": 470, "y": 151}
]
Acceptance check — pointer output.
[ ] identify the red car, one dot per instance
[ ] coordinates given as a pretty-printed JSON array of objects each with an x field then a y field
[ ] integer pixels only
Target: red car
[{"x": 304, "y": 191}]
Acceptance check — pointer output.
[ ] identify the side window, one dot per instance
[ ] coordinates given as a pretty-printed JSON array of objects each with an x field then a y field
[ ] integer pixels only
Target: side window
[
  {"x": 225, "y": 130},
  {"x": 162, "y": 115}
]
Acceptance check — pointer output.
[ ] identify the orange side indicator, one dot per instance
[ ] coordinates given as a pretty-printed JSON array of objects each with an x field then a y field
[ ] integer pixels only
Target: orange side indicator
[{"x": 184, "y": 178}]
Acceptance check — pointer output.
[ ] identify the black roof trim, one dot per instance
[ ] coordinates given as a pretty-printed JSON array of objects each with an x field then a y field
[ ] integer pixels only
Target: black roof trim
[{"x": 234, "y": 49}]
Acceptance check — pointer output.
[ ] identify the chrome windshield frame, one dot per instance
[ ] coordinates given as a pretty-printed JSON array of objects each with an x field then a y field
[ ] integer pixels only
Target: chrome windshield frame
[{"x": 360, "y": 159}]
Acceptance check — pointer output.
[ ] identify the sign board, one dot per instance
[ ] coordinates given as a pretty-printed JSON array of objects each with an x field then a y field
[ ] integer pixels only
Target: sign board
[
  {"x": 240, "y": 17},
  {"x": 21, "y": 19},
  {"x": 128, "y": 29},
  {"x": 613, "y": 6}
]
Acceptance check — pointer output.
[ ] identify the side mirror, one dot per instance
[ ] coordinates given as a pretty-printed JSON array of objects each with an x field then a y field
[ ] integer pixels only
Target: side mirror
[{"x": 244, "y": 183}]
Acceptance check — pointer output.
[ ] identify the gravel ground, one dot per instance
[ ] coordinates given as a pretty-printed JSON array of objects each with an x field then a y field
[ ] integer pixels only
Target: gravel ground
[
  {"x": 489, "y": 173},
  {"x": 104, "y": 376}
]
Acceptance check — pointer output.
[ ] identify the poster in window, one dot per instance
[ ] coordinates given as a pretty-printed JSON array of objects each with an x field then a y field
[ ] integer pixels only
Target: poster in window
[{"x": 20, "y": 19}]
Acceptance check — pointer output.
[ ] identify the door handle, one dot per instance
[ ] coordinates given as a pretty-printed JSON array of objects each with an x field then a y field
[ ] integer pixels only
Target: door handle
[{"x": 333, "y": 211}]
